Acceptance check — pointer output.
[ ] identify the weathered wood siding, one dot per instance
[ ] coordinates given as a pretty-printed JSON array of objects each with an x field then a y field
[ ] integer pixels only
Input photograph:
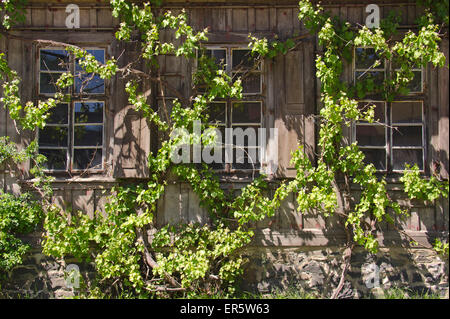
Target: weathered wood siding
[{"x": 291, "y": 100}]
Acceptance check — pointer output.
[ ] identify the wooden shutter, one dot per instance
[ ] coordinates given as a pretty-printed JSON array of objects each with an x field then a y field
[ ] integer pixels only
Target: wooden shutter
[{"x": 294, "y": 103}]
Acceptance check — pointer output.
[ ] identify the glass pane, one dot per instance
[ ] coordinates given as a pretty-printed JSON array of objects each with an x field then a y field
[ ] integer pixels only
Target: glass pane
[
  {"x": 217, "y": 112},
  {"x": 416, "y": 83},
  {"x": 53, "y": 136},
  {"x": 97, "y": 53},
  {"x": 88, "y": 135},
  {"x": 371, "y": 135},
  {"x": 90, "y": 158},
  {"x": 56, "y": 159},
  {"x": 59, "y": 114},
  {"x": 377, "y": 157},
  {"x": 89, "y": 83},
  {"x": 379, "y": 110},
  {"x": 411, "y": 157},
  {"x": 406, "y": 112},
  {"x": 246, "y": 112},
  {"x": 407, "y": 136},
  {"x": 366, "y": 57},
  {"x": 242, "y": 59},
  {"x": 89, "y": 112},
  {"x": 219, "y": 56},
  {"x": 47, "y": 83},
  {"x": 251, "y": 82},
  {"x": 246, "y": 159},
  {"x": 376, "y": 76},
  {"x": 220, "y": 164},
  {"x": 54, "y": 60},
  {"x": 245, "y": 135}
]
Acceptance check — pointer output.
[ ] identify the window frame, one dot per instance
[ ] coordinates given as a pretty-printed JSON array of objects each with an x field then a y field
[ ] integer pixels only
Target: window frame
[
  {"x": 258, "y": 97},
  {"x": 76, "y": 97}
]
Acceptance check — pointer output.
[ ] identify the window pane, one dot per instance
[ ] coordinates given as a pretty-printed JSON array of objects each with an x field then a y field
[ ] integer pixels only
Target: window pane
[
  {"x": 416, "y": 83},
  {"x": 242, "y": 59},
  {"x": 53, "y": 136},
  {"x": 213, "y": 165},
  {"x": 377, "y": 157},
  {"x": 88, "y": 135},
  {"x": 89, "y": 83},
  {"x": 407, "y": 136},
  {"x": 251, "y": 82},
  {"x": 246, "y": 112},
  {"x": 217, "y": 112},
  {"x": 47, "y": 83},
  {"x": 56, "y": 159},
  {"x": 379, "y": 110},
  {"x": 245, "y": 135},
  {"x": 406, "y": 112},
  {"x": 366, "y": 57},
  {"x": 219, "y": 56},
  {"x": 89, "y": 112},
  {"x": 371, "y": 135},
  {"x": 376, "y": 76},
  {"x": 59, "y": 114},
  {"x": 97, "y": 53},
  {"x": 90, "y": 158},
  {"x": 54, "y": 60},
  {"x": 248, "y": 159},
  {"x": 411, "y": 157}
]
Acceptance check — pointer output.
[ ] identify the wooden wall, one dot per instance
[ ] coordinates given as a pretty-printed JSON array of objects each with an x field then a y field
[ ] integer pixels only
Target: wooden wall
[{"x": 291, "y": 99}]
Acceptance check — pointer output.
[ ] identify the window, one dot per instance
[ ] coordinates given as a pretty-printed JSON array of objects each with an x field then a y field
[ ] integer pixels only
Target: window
[
  {"x": 73, "y": 137},
  {"x": 397, "y": 136},
  {"x": 395, "y": 140},
  {"x": 244, "y": 117}
]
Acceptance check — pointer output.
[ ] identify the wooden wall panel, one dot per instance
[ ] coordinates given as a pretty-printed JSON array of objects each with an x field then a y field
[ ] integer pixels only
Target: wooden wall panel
[{"x": 443, "y": 80}]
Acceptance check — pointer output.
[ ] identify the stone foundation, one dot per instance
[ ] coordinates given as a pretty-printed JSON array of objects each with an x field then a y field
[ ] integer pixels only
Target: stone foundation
[
  {"x": 312, "y": 269},
  {"x": 319, "y": 269}
]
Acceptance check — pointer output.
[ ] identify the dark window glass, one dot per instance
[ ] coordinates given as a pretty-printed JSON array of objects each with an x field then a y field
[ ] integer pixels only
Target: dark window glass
[
  {"x": 217, "y": 112},
  {"x": 88, "y": 82},
  {"x": 54, "y": 60},
  {"x": 366, "y": 57},
  {"x": 416, "y": 83},
  {"x": 246, "y": 112},
  {"x": 219, "y": 56},
  {"x": 411, "y": 157},
  {"x": 88, "y": 135},
  {"x": 56, "y": 159},
  {"x": 53, "y": 136},
  {"x": 406, "y": 112},
  {"x": 249, "y": 135},
  {"x": 248, "y": 159},
  {"x": 59, "y": 114},
  {"x": 379, "y": 110},
  {"x": 242, "y": 59},
  {"x": 376, "y": 76},
  {"x": 87, "y": 158},
  {"x": 99, "y": 55},
  {"x": 407, "y": 136},
  {"x": 47, "y": 83},
  {"x": 377, "y": 157},
  {"x": 89, "y": 112},
  {"x": 371, "y": 135},
  {"x": 251, "y": 82}
]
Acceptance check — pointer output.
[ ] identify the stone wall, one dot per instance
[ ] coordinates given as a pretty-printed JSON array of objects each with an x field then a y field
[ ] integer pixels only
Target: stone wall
[
  {"x": 311, "y": 269},
  {"x": 318, "y": 269}
]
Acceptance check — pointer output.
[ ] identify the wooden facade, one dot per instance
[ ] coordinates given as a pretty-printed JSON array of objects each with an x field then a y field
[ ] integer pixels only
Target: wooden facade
[{"x": 290, "y": 99}]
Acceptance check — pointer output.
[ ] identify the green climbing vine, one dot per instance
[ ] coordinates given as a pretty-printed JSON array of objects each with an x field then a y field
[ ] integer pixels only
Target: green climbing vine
[{"x": 130, "y": 254}]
